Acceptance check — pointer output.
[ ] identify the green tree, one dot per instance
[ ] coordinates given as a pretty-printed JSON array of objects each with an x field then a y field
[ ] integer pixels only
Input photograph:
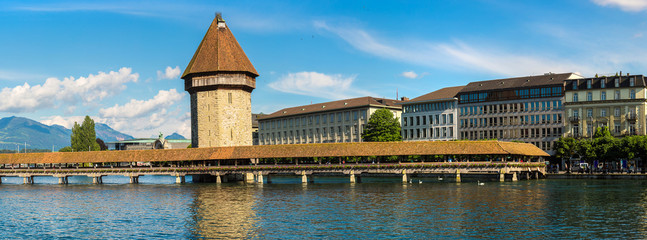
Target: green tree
[
  {"x": 65, "y": 149},
  {"x": 84, "y": 137},
  {"x": 102, "y": 145},
  {"x": 602, "y": 132},
  {"x": 382, "y": 127},
  {"x": 565, "y": 147}
]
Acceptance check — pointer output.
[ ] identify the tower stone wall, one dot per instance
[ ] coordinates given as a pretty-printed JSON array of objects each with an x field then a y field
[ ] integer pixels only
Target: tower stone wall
[{"x": 221, "y": 118}]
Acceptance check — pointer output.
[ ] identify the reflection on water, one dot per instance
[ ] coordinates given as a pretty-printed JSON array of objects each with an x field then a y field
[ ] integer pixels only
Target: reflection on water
[{"x": 549, "y": 209}]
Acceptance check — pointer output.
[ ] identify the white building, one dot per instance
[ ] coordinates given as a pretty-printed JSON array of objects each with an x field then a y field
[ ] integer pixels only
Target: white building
[
  {"x": 432, "y": 116},
  {"x": 329, "y": 122}
]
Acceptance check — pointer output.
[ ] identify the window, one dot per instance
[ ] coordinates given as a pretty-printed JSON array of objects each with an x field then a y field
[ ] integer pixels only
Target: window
[
  {"x": 617, "y": 95},
  {"x": 616, "y": 112},
  {"x": 574, "y": 85},
  {"x": 603, "y": 95},
  {"x": 603, "y": 83},
  {"x": 574, "y": 97},
  {"x": 631, "y": 82},
  {"x": 229, "y": 97},
  {"x": 451, "y": 118},
  {"x": 588, "y": 84},
  {"x": 589, "y": 96},
  {"x": 617, "y": 127},
  {"x": 603, "y": 112},
  {"x": 576, "y": 113},
  {"x": 632, "y": 94},
  {"x": 589, "y": 112},
  {"x": 616, "y": 82}
]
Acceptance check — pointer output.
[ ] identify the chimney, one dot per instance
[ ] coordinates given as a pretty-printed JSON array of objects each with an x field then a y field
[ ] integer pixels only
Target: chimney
[
  {"x": 221, "y": 22},
  {"x": 404, "y": 99}
]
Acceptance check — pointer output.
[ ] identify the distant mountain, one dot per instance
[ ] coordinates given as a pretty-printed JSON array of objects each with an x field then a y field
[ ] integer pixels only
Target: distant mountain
[
  {"x": 18, "y": 131},
  {"x": 107, "y": 134},
  {"x": 175, "y": 136}
]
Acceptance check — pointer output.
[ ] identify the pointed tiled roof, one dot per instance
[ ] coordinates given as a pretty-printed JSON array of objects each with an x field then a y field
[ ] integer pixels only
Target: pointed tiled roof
[{"x": 219, "y": 52}]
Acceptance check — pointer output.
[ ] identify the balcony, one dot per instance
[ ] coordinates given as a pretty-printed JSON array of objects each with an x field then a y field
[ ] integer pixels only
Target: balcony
[
  {"x": 574, "y": 119},
  {"x": 632, "y": 117}
]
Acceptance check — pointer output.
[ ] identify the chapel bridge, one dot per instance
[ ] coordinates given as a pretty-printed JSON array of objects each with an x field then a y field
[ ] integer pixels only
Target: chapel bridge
[{"x": 451, "y": 159}]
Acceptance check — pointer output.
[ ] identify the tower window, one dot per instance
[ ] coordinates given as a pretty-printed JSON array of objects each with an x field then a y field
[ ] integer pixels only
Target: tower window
[{"x": 229, "y": 96}]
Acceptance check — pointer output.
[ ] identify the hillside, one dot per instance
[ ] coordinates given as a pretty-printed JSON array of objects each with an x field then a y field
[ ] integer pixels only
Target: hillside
[{"x": 18, "y": 131}]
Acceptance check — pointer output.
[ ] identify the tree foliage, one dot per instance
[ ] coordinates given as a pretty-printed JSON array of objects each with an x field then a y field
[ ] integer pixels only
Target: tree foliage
[
  {"x": 602, "y": 132},
  {"x": 382, "y": 127},
  {"x": 102, "y": 145},
  {"x": 65, "y": 149},
  {"x": 84, "y": 136}
]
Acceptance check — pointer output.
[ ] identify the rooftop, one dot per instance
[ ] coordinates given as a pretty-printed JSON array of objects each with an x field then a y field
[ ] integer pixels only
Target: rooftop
[
  {"x": 334, "y": 105},
  {"x": 519, "y": 82},
  {"x": 283, "y": 151},
  {"x": 219, "y": 52},
  {"x": 443, "y": 93}
]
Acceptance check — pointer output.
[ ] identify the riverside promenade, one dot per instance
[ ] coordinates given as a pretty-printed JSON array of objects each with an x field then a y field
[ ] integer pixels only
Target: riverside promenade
[{"x": 452, "y": 160}]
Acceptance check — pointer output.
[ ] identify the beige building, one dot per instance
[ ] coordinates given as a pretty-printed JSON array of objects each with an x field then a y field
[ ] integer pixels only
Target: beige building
[
  {"x": 337, "y": 121},
  {"x": 432, "y": 116},
  {"x": 220, "y": 79},
  {"x": 617, "y": 102},
  {"x": 527, "y": 109}
]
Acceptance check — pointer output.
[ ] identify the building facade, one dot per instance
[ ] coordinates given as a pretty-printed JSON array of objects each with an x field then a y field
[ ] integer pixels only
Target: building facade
[
  {"x": 330, "y": 122},
  {"x": 220, "y": 79},
  {"x": 527, "y": 109},
  {"x": 432, "y": 116},
  {"x": 617, "y": 102}
]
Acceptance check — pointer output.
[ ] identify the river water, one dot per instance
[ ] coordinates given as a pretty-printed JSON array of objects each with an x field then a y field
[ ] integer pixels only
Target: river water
[{"x": 287, "y": 209}]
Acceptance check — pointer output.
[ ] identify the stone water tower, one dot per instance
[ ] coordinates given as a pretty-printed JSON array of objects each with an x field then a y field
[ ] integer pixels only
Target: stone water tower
[{"x": 220, "y": 79}]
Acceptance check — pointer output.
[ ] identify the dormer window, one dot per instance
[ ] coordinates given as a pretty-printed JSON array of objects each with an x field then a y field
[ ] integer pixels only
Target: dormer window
[
  {"x": 575, "y": 85},
  {"x": 632, "y": 82},
  {"x": 616, "y": 82},
  {"x": 603, "y": 83},
  {"x": 588, "y": 84}
]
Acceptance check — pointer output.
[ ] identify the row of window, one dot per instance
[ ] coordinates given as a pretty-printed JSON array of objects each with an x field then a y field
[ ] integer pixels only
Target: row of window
[
  {"x": 603, "y": 95},
  {"x": 602, "y": 112},
  {"x": 428, "y": 107},
  {"x": 316, "y": 135},
  {"x": 518, "y": 94},
  {"x": 428, "y": 133},
  {"x": 315, "y": 120},
  {"x": 512, "y": 133},
  {"x": 603, "y": 84},
  {"x": 617, "y": 129},
  {"x": 511, "y": 121},
  {"x": 438, "y": 119},
  {"x": 513, "y": 107}
]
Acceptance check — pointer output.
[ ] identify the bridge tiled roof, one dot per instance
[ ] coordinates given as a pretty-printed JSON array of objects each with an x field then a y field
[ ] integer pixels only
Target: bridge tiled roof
[{"x": 284, "y": 151}]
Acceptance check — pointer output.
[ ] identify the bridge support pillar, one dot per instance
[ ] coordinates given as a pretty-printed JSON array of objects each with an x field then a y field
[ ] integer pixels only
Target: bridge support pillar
[
  {"x": 62, "y": 180},
  {"x": 354, "y": 178},
  {"x": 527, "y": 175},
  {"x": 304, "y": 177},
  {"x": 218, "y": 178},
  {"x": 514, "y": 176},
  {"x": 458, "y": 175},
  {"x": 28, "y": 179},
  {"x": 249, "y": 177},
  {"x": 97, "y": 179},
  {"x": 405, "y": 177},
  {"x": 501, "y": 176},
  {"x": 259, "y": 178},
  {"x": 536, "y": 175},
  {"x": 134, "y": 179},
  {"x": 180, "y": 179}
]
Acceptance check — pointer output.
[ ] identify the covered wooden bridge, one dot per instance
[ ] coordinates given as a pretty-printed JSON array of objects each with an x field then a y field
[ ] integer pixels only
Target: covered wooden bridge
[{"x": 353, "y": 159}]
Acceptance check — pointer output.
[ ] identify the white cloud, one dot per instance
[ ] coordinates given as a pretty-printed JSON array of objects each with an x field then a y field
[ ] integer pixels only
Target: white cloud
[
  {"x": 88, "y": 89},
  {"x": 138, "y": 108},
  {"x": 320, "y": 85},
  {"x": 169, "y": 73},
  {"x": 625, "y": 5},
  {"x": 456, "y": 55},
  {"x": 409, "y": 74}
]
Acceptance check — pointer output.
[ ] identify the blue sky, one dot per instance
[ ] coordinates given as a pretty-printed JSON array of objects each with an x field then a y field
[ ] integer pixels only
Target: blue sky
[{"x": 119, "y": 61}]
